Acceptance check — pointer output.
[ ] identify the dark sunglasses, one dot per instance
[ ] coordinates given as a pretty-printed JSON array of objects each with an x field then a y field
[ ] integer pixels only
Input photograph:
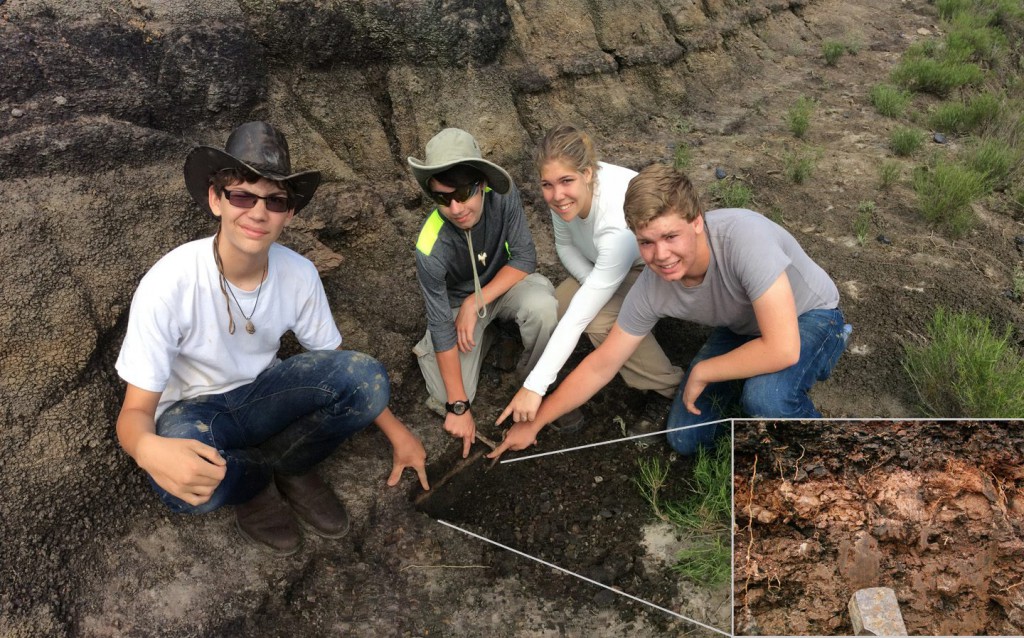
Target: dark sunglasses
[
  {"x": 274, "y": 203},
  {"x": 460, "y": 194}
]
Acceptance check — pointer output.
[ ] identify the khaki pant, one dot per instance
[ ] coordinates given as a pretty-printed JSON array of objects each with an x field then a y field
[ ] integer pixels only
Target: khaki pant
[
  {"x": 531, "y": 303},
  {"x": 648, "y": 368}
]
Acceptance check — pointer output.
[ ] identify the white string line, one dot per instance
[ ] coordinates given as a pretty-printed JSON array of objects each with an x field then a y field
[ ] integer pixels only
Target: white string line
[
  {"x": 593, "y": 582},
  {"x": 599, "y": 443}
]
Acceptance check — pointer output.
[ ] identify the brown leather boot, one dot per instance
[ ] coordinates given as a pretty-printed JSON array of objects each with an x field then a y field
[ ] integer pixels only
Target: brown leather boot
[
  {"x": 267, "y": 521},
  {"x": 315, "y": 502}
]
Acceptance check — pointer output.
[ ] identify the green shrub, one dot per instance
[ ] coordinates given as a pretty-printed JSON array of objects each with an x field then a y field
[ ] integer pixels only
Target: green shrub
[
  {"x": 949, "y": 117},
  {"x": 945, "y": 193},
  {"x": 862, "y": 223},
  {"x": 927, "y": 75},
  {"x": 964, "y": 370},
  {"x": 889, "y": 173},
  {"x": 832, "y": 50},
  {"x": 799, "y": 116},
  {"x": 682, "y": 158},
  {"x": 994, "y": 159},
  {"x": 949, "y": 8},
  {"x": 905, "y": 141},
  {"x": 731, "y": 193},
  {"x": 703, "y": 517},
  {"x": 970, "y": 38},
  {"x": 798, "y": 166},
  {"x": 889, "y": 100}
]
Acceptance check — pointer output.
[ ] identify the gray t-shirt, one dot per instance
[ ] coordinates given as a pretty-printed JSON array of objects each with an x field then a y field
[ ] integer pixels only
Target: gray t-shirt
[{"x": 748, "y": 253}]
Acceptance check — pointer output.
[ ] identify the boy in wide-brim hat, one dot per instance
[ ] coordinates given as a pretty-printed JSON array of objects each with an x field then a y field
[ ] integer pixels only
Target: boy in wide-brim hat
[
  {"x": 210, "y": 413},
  {"x": 476, "y": 262}
]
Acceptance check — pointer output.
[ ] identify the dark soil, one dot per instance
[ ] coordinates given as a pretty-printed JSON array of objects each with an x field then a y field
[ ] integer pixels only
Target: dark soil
[
  {"x": 934, "y": 510},
  {"x": 581, "y": 510}
]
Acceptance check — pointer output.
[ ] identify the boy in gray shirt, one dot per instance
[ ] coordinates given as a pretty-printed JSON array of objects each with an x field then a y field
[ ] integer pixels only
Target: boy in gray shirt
[{"x": 777, "y": 325}]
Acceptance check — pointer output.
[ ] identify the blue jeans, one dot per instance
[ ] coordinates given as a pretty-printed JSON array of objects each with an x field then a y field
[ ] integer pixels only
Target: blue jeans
[
  {"x": 291, "y": 417},
  {"x": 781, "y": 394}
]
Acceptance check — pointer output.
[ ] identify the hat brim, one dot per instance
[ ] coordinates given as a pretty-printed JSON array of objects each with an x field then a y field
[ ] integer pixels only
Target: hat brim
[
  {"x": 497, "y": 178},
  {"x": 204, "y": 161}
]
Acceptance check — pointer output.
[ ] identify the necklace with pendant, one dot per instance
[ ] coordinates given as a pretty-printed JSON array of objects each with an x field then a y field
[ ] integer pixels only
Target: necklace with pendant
[{"x": 225, "y": 289}]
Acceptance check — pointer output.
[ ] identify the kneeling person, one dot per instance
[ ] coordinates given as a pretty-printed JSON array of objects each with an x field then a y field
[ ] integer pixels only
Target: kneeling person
[
  {"x": 777, "y": 325},
  {"x": 475, "y": 261},
  {"x": 210, "y": 413}
]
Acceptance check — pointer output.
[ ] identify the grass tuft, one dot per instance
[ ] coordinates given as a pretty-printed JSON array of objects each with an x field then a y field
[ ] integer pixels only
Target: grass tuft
[
  {"x": 682, "y": 158},
  {"x": 889, "y": 173},
  {"x": 906, "y": 141},
  {"x": 939, "y": 77},
  {"x": 945, "y": 193},
  {"x": 889, "y": 100},
  {"x": 731, "y": 193},
  {"x": 995, "y": 159},
  {"x": 702, "y": 518},
  {"x": 965, "y": 370},
  {"x": 799, "y": 116},
  {"x": 832, "y": 50},
  {"x": 862, "y": 223},
  {"x": 799, "y": 165}
]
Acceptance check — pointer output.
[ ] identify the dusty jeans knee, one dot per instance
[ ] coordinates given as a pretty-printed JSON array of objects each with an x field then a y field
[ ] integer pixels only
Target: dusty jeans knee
[
  {"x": 781, "y": 394},
  {"x": 291, "y": 417}
]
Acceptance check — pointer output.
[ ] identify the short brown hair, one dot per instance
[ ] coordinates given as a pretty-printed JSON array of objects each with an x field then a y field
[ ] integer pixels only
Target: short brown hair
[
  {"x": 567, "y": 144},
  {"x": 657, "y": 190}
]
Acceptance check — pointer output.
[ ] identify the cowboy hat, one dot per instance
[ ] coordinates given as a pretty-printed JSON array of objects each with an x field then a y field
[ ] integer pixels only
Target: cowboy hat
[
  {"x": 253, "y": 146},
  {"x": 454, "y": 146}
]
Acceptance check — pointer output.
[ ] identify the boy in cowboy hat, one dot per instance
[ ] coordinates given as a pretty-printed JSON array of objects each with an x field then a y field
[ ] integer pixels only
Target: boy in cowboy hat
[
  {"x": 475, "y": 261},
  {"x": 210, "y": 413}
]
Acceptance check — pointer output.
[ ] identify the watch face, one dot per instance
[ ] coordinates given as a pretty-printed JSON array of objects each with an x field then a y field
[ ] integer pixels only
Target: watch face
[{"x": 458, "y": 408}]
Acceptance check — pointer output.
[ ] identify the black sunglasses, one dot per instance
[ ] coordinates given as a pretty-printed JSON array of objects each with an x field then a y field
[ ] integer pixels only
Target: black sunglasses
[
  {"x": 460, "y": 194},
  {"x": 274, "y": 203}
]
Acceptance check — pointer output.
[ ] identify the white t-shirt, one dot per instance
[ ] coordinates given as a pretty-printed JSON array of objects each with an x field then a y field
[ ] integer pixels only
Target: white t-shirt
[
  {"x": 599, "y": 252},
  {"x": 177, "y": 341}
]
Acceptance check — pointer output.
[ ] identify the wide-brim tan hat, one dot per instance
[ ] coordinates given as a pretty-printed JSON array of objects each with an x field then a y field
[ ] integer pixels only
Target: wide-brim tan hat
[
  {"x": 454, "y": 146},
  {"x": 257, "y": 147}
]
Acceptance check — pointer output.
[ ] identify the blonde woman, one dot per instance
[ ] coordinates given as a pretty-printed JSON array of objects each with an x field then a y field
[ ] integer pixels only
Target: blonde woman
[{"x": 585, "y": 198}]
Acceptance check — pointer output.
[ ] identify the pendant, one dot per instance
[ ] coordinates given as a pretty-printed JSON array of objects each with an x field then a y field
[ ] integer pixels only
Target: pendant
[{"x": 251, "y": 329}]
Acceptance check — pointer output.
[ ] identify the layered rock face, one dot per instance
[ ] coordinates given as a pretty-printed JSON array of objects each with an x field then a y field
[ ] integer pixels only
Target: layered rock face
[{"x": 101, "y": 99}]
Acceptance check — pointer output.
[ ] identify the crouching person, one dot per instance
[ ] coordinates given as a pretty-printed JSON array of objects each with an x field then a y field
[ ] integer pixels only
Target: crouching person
[
  {"x": 210, "y": 413},
  {"x": 777, "y": 327}
]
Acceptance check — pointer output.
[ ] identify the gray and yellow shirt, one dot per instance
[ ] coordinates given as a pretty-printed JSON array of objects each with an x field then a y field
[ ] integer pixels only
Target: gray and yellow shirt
[{"x": 501, "y": 238}]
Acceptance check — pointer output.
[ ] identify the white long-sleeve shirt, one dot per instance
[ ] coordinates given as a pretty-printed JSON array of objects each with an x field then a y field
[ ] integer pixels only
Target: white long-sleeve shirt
[{"x": 598, "y": 252}]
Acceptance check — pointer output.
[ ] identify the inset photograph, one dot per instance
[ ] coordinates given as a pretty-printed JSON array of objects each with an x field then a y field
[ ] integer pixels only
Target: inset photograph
[{"x": 878, "y": 527}]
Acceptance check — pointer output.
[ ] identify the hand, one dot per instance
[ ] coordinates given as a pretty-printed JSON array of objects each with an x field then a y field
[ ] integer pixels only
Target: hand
[
  {"x": 465, "y": 324},
  {"x": 523, "y": 406},
  {"x": 408, "y": 452},
  {"x": 185, "y": 468},
  {"x": 519, "y": 437},
  {"x": 693, "y": 389},
  {"x": 462, "y": 426}
]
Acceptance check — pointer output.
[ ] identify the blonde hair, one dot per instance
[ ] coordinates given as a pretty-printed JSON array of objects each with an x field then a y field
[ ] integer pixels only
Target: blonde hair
[
  {"x": 657, "y": 190},
  {"x": 567, "y": 144}
]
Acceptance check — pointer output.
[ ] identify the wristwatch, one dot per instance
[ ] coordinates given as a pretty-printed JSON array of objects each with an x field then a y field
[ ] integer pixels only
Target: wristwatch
[{"x": 458, "y": 408}]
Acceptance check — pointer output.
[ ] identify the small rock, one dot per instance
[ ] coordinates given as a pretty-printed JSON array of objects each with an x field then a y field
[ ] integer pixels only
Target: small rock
[
  {"x": 17, "y": 112},
  {"x": 882, "y": 239},
  {"x": 60, "y": 100},
  {"x": 604, "y": 597},
  {"x": 1019, "y": 241},
  {"x": 605, "y": 514},
  {"x": 923, "y": 31},
  {"x": 876, "y": 612},
  {"x": 939, "y": 138},
  {"x": 720, "y": 173},
  {"x": 598, "y": 479}
]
